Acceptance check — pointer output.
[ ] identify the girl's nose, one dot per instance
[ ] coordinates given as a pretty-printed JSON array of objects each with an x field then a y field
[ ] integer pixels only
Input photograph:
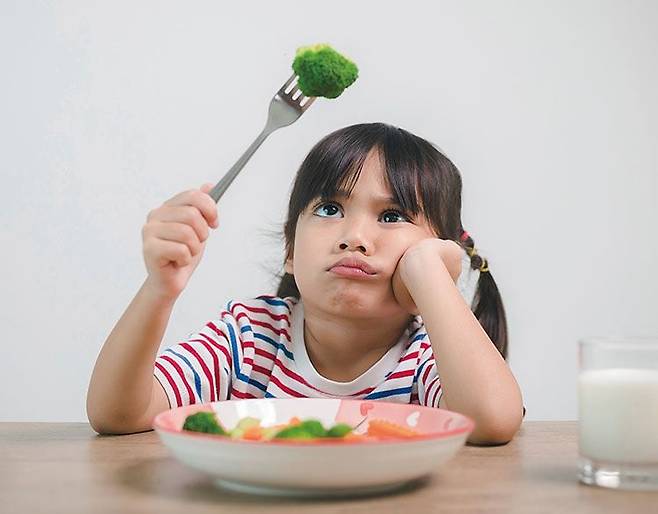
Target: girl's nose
[
  {"x": 355, "y": 240},
  {"x": 344, "y": 245},
  {"x": 356, "y": 236}
]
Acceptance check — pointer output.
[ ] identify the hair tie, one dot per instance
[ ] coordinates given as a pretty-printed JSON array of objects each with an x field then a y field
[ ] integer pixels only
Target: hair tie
[{"x": 484, "y": 265}]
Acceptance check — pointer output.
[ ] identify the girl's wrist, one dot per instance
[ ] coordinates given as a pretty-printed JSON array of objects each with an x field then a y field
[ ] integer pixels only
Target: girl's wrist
[{"x": 156, "y": 295}]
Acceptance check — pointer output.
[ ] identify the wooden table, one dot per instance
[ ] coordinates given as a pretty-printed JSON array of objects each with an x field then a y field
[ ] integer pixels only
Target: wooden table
[{"x": 66, "y": 467}]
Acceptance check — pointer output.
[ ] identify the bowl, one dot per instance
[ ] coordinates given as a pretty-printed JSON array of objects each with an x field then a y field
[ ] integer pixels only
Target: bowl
[{"x": 321, "y": 466}]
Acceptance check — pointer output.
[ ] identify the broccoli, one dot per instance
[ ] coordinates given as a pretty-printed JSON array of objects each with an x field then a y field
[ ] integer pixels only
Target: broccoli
[
  {"x": 310, "y": 429},
  {"x": 339, "y": 430},
  {"x": 206, "y": 422},
  {"x": 203, "y": 422},
  {"x": 313, "y": 429},
  {"x": 323, "y": 71},
  {"x": 295, "y": 432}
]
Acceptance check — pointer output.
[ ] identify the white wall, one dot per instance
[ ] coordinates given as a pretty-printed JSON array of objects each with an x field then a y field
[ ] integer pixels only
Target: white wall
[{"x": 107, "y": 109}]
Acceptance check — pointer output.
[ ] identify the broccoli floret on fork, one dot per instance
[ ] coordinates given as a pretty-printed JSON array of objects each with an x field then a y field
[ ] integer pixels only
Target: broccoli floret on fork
[{"x": 322, "y": 71}]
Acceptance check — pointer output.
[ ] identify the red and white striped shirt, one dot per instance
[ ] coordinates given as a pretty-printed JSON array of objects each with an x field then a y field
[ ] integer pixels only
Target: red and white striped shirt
[{"x": 255, "y": 349}]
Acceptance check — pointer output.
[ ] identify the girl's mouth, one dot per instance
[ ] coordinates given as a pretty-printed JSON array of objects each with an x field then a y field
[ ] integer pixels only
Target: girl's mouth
[
  {"x": 353, "y": 265},
  {"x": 350, "y": 272}
]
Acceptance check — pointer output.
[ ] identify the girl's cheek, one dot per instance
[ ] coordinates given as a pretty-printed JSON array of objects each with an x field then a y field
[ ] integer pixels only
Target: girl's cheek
[{"x": 407, "y": 242}]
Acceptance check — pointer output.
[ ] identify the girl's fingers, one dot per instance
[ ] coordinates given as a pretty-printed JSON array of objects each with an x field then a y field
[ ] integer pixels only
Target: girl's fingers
[
  {"x": 206, "y": 188},
  {"x": 199, "y": 199},
  {"x": 169, "y": 251},
  {"x": 175, "y": 232},
  {"x": 187, "y": 215}
]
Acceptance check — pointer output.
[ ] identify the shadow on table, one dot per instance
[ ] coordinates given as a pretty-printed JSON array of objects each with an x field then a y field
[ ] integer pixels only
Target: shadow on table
[{"x": 168, "y": 478}]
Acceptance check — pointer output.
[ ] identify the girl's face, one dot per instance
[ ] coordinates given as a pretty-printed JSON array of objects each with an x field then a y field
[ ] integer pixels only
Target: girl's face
[{"x": 367, "y": 227}]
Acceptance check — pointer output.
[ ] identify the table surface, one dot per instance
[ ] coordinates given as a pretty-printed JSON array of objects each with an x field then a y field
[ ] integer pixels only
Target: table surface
[{"x": 66, "y": 467}]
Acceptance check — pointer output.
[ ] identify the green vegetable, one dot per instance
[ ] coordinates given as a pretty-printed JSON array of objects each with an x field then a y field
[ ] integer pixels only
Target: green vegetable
[
  {"x": 323, "y": 71},
  {"x": 242, "y": 426},
  {"x": 296, "y": 432},
  {"x": 339, "y": 430},
  {"x": 310, "y": 429},
  {"x": 205, "y": 422}
]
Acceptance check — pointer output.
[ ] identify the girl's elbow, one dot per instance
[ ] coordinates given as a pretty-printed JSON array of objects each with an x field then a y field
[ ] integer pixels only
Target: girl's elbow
[
  {"x": 490, "y": 438},
  {"x": 105, "y": 427},
  {"x": 104, "y": 424},
  {"x": 495, "y": 430}
]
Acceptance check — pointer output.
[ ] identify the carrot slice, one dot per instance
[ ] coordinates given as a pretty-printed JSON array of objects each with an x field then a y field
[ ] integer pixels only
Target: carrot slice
[
  {"x": 294, "y": 421},
  {"x": 253, "y": 433},
  {"x": 382, "y": 428},
  {"x": 354, "y": 437}
]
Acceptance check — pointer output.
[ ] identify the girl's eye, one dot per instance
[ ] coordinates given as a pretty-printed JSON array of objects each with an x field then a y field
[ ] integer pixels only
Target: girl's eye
[
  {"x": 393, "y": 216},
  {"x": 332, "y": 210},
  {"x": 327, "y": 210}
]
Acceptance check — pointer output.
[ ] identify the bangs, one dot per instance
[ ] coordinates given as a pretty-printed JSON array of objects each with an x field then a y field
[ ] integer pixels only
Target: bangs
[
  {"x": 410, "y": 166},
  {"x": 422, "y": 181},
  {"x": 413, "y": 170}
]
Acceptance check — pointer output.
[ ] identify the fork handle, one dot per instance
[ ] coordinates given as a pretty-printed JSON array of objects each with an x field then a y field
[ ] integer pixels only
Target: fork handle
[{"x": 221, "y": 186}]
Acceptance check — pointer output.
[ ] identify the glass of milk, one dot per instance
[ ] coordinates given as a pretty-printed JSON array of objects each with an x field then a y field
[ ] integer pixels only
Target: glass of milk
[{"x": 618, "y": 412}]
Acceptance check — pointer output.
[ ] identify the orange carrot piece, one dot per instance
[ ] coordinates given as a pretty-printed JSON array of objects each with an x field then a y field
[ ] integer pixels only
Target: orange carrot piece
[
  {"x": 253, "y": 434},
  {"x": 382, "y": 428},
  {"x": 354, "y": 437},
  {"x": 294, "y": 421}
]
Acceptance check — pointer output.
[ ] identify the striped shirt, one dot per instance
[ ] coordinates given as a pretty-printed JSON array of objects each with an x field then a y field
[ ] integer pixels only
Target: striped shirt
[{"x": 255, "y": 349}]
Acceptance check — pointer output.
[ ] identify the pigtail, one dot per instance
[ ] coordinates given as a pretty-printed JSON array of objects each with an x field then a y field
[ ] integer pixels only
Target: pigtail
[
  {"x": 487, "y": 303},
  {"x": 287, "y": 287}
]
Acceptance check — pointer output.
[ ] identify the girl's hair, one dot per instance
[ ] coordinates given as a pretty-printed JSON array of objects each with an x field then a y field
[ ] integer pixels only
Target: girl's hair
[{"x": 423, "y": 182}]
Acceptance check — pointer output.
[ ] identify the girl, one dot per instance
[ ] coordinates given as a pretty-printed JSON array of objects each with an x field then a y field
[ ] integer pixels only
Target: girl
[{"x": 374, "y": 302}]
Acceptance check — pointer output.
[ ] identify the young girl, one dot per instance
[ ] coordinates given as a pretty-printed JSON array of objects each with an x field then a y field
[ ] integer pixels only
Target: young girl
[{"x": 375, "y": 303}]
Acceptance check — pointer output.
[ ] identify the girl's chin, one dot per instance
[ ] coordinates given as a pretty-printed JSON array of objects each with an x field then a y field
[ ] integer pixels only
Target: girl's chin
[{"x": 355, "y": 304}]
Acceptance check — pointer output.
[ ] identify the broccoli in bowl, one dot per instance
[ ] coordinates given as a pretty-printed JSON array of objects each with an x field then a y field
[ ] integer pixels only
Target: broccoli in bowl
[{"x": 322, "y": 71}]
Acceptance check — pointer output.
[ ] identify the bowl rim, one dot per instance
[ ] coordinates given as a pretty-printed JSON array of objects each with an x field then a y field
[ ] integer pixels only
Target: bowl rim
[{"x": 468, "y": 427}]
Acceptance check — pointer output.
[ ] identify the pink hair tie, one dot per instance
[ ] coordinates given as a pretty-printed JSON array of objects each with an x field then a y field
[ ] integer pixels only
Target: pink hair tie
[{"x": 464, "y": 236}]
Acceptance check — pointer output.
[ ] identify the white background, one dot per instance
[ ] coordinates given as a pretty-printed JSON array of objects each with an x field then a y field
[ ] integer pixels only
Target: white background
[{"x": 107, "y": 109}]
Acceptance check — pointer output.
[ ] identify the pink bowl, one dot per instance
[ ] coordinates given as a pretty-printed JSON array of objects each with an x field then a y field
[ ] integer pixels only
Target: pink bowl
[{"x": 285, "y": 467}]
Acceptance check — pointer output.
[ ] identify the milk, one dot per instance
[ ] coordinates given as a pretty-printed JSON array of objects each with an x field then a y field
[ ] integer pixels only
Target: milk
[{"x": 618, "y": 412}]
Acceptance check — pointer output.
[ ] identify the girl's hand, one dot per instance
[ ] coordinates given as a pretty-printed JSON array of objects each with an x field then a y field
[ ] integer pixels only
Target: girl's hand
[
  {"x": 174, "y": 238},
  {"x": 418, "y": 262}
]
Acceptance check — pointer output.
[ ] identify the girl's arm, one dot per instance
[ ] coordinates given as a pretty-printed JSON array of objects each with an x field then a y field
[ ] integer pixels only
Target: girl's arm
[
  {"x": 475, "y": 379},
  {"x": 124, "y": 396}
]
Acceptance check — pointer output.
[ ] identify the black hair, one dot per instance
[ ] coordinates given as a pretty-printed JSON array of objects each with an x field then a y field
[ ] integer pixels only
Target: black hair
[{"x": 423, "y": 181}]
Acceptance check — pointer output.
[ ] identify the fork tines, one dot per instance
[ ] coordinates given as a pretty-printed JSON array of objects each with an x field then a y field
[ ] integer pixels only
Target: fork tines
[{"x": 293, "y": 96}]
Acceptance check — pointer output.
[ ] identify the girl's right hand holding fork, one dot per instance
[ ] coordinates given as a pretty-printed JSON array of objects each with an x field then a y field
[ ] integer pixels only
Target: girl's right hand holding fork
[{"x": 174, "y": 238}]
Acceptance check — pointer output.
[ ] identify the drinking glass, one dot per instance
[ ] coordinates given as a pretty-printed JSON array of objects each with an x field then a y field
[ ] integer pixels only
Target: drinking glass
[{"x": 618, "y": 412}]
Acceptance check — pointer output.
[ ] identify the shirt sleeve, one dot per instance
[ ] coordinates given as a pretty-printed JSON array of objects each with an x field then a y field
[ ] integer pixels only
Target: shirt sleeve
[
  {"x": 199, "y": 369},
  {"x": 429, "y": 383}
]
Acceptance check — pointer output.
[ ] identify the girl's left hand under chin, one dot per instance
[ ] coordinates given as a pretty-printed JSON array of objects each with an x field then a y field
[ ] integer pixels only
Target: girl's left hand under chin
[{"x": 416, "y": 265}]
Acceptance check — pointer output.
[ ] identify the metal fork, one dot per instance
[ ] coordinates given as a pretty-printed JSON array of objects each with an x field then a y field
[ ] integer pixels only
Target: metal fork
[
  {"x": 287, "y": 105},
  {"x": 360, "y": 423}
]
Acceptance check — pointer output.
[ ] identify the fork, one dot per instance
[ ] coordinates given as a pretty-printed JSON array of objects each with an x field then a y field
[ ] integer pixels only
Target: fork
[
  {"x": 359, "y": 423},
  {"x": 287, "y": 105}
]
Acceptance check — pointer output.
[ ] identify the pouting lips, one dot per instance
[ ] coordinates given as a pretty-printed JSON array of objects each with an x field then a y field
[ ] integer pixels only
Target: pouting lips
[{"x": 353, "y": 266}]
